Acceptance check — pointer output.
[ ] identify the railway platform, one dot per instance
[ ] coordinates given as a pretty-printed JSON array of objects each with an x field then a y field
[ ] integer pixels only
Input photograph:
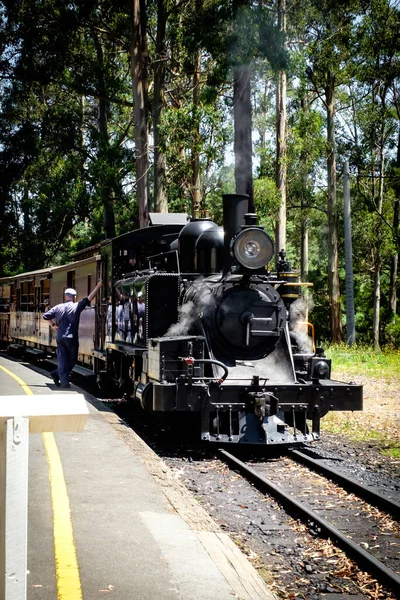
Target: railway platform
[{"x": 130, "y": 531}]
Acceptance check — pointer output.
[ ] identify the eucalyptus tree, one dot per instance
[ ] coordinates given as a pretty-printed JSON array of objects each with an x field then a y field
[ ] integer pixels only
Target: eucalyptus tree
[
  {"x": 378, "y": 72},
  {"x": 189, "y": 125},
  {"x": 160, "y": 203},
  {"x": 329, "y": 31},
  {"x": 198, "y": 99},
  {"x": 306, "y": 151},
  {"x": 139, "y": 65},
  {"x": 33, "y": 50},
  {"x": 100, "y": 75},
  {"x": 62, "y": 81},
  {"x": 281, "y": 137},
  {"x": 396, "y": 209},
  {"x": 266, "y": 195},
  {"x": 291, "y": 121}
]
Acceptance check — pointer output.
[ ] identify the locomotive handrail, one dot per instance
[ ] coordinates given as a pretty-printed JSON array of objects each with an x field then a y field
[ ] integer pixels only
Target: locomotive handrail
[
  {"x": 311, "y": 326},
  {"x": 190, "y": 360}
]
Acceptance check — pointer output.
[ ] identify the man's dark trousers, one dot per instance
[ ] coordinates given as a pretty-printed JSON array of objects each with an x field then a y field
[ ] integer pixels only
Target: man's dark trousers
[{"x": 67, "y": 355}]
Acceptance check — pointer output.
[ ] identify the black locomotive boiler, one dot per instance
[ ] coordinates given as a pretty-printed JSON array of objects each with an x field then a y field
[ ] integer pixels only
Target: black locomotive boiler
[{"x": 201, "y": 325}]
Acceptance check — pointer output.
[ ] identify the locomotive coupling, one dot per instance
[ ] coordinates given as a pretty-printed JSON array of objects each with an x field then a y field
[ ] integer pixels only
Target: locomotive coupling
[{"x": 263, "y": 403}]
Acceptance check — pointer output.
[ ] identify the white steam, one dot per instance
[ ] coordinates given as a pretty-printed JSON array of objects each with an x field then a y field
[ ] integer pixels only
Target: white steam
[
  {"x": 298, "y": 323},
  {"x": 201, "y": 296},
  {"x": 187, "y": 315}
]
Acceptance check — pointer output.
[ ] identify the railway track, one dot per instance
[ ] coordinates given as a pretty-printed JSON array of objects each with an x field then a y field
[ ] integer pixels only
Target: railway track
[
  {"x": 372, "y": 496},
  {"x": 386, "y": 575}
]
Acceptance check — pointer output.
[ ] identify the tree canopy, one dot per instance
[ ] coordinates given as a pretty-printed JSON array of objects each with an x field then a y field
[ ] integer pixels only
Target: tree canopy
[{"x": 111, "y": 109}]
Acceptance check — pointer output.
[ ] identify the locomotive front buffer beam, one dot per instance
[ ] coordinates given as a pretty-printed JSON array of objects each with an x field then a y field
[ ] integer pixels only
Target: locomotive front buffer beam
[{"x": 267, "y": 415}]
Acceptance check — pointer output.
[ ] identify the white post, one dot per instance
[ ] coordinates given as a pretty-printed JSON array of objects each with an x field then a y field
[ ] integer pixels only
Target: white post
[
  {"x": 14, "y": 487},
  {"x": 20, "y": 415}
]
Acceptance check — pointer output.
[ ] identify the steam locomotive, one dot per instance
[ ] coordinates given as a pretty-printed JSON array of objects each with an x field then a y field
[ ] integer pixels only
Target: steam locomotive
[{"x": 192, "y": 320}]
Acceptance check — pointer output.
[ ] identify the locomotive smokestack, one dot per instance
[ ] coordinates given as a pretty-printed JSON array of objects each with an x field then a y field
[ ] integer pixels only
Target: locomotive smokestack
[{"x": 235, "y": 206}]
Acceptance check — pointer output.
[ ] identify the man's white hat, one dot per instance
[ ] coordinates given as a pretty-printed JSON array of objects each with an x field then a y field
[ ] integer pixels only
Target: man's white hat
[
  {"x": 140, "y": 294},
  {"x": 70, "y": 292}
]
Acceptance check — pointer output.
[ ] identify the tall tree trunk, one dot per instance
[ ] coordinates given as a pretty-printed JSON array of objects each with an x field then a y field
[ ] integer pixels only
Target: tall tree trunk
[
  {"x": 26, "y": 206},
  {"x": 376, "y": 300},
  {"x": 333, "y": 271},
  {"x": 305, "y": 220},
  {"x": 281, "y": 169},
  {"x": 348, "y": 242},
  {"x": 242, "y": 115},
  {"x": 81, "y": 141},
  {"x": 27, "y": 255},
  {"x": 304, "y": 245},
  {"x": 195, "y": 154},
  {"x": 160, "y": 192},
  {"x": 396, "y": 233},
  {"x": 139, "y": 87},
  {"x": 378, "y": 258},
  {"x": 107, "y": 196},
  {"x": 394, "y": 267}
]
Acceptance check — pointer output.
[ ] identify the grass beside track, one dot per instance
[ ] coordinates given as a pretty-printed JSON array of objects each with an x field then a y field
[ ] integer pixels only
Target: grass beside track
[
  {"x": 364, "y": 361},
  {"x": 379, "y": 372}
]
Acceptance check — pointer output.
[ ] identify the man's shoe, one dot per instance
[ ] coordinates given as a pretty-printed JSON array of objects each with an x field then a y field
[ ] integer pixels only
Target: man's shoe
[
  {"x": 64, "y": 387},
  {"x": 55, "y": 379}
]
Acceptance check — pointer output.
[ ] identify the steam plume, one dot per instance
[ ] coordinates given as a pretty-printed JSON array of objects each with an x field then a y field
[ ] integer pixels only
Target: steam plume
[
  {"x": 298, "y": 323},
  {"x": 201, "y": 295}
]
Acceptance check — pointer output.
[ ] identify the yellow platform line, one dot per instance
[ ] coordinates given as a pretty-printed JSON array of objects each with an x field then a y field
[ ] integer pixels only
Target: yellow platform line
[
  {"x": 67, "y": 570},
  {"x": 22, "y": 383},
  {"x": 68, "y": 580}
]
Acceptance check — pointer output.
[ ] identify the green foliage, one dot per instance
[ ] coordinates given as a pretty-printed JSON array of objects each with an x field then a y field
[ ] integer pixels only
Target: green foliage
[
  {"x": 67, "y": 159},
  {"x": 392, "y": 332},
  {"x": 266, "y": 199},
  {"x": 60, "y": 161},
  {"x": 362, "y": 359},
  {"x": 176, "y": 130}
]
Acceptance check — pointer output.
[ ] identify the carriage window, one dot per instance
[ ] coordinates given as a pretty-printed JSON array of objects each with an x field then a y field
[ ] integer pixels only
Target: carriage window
[
  {"x": 13, "y": 297},
  {"x": 71, "y": 279},
  {"x": 27, "y": 296},
  {"x": 5, "y": 298},
  {"x": 44, "y": 295},
  {"x": 89, "y": 284}
]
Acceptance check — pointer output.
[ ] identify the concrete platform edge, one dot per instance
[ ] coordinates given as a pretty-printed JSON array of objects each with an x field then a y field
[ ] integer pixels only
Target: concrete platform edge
[{"x": 232, "y": 563}]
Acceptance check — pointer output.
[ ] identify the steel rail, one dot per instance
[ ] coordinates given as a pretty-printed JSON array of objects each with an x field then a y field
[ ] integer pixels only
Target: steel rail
[
  {"x": 372, "y": 496},
  {"x": 363, "y": 558}
]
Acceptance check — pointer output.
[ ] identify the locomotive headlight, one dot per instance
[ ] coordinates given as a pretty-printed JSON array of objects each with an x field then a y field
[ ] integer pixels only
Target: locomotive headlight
[
  {"x": 252, "y": 248},
  {"x": 320, "y": 369}
]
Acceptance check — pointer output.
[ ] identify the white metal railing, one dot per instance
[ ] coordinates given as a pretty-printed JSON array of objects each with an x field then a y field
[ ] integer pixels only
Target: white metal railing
[{"x": 19, "y": 416}]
